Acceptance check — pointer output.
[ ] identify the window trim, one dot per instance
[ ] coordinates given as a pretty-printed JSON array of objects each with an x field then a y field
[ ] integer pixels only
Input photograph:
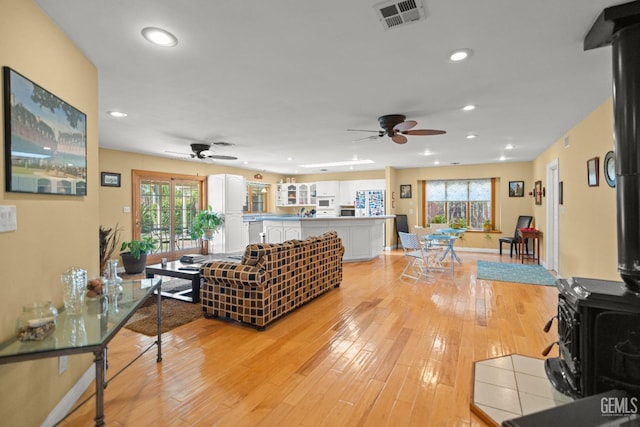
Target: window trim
[{"x": 423, "y": 208}]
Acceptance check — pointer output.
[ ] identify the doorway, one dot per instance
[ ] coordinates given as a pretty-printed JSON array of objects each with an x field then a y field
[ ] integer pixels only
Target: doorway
[
  {"x": 553, "y": 203},
  {"x": 164, "y": 206}
]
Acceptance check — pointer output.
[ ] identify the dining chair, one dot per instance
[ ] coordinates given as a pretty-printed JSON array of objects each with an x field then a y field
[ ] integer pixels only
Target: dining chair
[
  {"x": 524, "y": 221},
  {"x": 419, "y": 258}
]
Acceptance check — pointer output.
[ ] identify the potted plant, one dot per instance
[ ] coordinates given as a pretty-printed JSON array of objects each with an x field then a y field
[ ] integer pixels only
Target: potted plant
[
  {"x": 135, "y": 258},
  {"x": 486, "y": 225},
  {"x": 207, "y": 223}
]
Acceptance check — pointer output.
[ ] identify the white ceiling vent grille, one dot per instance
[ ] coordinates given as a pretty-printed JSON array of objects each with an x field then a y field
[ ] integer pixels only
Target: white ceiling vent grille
[{"x": 394, "y": 14}]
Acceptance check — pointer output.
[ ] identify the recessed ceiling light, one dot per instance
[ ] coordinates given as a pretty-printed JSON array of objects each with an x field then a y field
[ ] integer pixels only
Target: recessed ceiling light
[
  {"x": 245, "y": 162},
  {"x": 469, "y": 107},
  {"x": 116, "y": 114},
  {"x": 502, "y": 158},
  {"x": 471, "y": 136},
  {"x": 460, "y": 55},
  {"x": 427, "y": 153},
  {"x": 345, "y": 163},
  {"x": 159, "y": 37},
  {"x": 509, "y": 147},
  {"x": 289, "y": 158},
  {"x": 437, "y": 162}
]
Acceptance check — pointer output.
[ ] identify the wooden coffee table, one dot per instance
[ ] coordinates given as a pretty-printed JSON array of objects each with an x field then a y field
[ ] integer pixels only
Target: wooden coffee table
[{"x": 190, "y": 272}]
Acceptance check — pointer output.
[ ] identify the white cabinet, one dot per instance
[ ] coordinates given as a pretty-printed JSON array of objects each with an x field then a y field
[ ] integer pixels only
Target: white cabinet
[
  {"x": 225, "y": 193},
  {"x": 280, "y": 231},
  {"x": 327, "y": 188},
  {"x": 245, "y": 234},
  {"x": 300, "y": 194}
]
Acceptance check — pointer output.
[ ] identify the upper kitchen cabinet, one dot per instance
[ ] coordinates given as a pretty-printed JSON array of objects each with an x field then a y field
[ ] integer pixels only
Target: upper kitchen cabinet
[
  {"x": 292, "y": 194},
  {"x": 327, "y": 188}
]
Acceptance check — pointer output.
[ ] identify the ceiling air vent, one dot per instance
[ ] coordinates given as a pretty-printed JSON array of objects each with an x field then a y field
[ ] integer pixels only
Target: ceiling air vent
[{"x": 394, "y": 14}]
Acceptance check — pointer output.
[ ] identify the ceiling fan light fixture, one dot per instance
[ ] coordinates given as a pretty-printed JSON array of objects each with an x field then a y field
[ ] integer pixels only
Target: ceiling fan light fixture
[
  {"x": 159, "y": 37},
  {"x": 460, "y": 55}
]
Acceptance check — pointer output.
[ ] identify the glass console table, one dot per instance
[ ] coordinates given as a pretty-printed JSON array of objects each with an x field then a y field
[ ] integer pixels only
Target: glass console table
[{"x": 90, "y": 332}]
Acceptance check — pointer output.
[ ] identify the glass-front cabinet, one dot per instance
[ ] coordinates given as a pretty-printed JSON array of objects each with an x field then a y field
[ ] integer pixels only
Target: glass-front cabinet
[{"x": 296, "y": 194}]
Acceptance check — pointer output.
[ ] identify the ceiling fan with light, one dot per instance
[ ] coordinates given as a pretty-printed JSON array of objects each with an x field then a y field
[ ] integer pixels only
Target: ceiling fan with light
[
  {"x": 395, "y": 126},
  {"x": 203, "y": 151}
]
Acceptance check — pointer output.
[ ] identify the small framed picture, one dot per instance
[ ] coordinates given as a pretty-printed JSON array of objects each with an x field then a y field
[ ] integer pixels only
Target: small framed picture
[
  {"x": 593, "y": 172},
  {"x": 110, "y": 179},
  {"x": 516, "y": 188},
  {"x": 405, "y": 191},
  {"x": 537, "y": 192}
]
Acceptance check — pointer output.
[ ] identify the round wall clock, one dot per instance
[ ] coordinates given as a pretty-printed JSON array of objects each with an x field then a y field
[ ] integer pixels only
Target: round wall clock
[{"x": 610, "y": 168}]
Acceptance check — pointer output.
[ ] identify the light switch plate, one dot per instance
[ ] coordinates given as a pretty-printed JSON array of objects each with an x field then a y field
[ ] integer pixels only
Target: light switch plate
[{"x": 8, "y": 220}]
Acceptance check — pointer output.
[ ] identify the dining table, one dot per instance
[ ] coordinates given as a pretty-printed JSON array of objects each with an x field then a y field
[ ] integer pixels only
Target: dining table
[{"x": 446, "y": 240}]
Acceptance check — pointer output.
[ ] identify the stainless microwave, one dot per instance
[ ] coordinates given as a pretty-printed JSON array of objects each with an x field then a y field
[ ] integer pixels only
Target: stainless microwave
[{"x": 348, "y": 212}]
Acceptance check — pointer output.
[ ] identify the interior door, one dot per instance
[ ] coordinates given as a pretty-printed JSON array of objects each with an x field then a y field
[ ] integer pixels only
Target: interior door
[{"x": 163, "y": 207}]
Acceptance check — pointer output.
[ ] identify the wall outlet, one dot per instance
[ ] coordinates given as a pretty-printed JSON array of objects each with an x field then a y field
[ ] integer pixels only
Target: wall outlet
[{"x": 62, "y": 364}]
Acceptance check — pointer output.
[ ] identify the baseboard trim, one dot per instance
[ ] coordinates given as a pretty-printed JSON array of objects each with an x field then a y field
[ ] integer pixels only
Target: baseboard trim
[{"x": 71, "y": 398}]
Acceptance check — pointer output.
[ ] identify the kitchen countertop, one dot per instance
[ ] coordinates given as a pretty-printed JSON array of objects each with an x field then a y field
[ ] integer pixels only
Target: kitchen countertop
[{"x": 348, "y": 218}]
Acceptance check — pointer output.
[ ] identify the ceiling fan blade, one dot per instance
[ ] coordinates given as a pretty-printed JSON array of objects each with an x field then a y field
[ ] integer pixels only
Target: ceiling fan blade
[
  {"x": 364, "y": 130},
  {"x": 366, "y": 138},
  {"x": 399, "y": 139},
  {"x": 405, "y": 126},
  {"x": 423, "y": 132},
  {"x": 221, "y": 157}
]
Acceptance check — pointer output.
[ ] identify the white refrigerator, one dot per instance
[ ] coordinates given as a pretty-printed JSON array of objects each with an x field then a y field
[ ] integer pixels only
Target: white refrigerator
[{"x": 369, "y": 203}]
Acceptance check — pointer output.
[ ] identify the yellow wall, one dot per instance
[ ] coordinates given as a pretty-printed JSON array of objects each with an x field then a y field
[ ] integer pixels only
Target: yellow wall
[
  {"x": 54, "y": 232},
  {"x": 114, "y": 199},
  {"x": 507, "y": 208},
  {"x": 587, "y": 219}
]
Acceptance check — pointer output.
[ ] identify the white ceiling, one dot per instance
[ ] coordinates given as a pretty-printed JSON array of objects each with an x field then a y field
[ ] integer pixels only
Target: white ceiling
[{"x": 285, "y": 79}]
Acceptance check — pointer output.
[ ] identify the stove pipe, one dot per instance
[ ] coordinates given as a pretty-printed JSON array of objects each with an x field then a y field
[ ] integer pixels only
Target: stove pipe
[{"x": 619, "y": 26}]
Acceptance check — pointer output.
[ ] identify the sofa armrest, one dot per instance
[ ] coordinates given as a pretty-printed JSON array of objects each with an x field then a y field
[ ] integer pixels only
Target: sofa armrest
[{"x": 231, "y": 273}]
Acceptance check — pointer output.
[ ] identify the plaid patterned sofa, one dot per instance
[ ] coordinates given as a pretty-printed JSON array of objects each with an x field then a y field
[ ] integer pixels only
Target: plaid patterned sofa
[{"x": 272, "y": 279}]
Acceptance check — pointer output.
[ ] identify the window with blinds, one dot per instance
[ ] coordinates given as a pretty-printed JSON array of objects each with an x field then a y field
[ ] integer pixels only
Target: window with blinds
[{"x": 468, "y": 202}]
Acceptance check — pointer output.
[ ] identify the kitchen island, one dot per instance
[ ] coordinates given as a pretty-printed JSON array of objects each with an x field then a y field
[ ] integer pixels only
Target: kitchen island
[{"x": 363, "y": 238}]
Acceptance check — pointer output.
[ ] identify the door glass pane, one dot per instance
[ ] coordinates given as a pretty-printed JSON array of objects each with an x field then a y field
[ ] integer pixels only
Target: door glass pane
[
  {"x": 185, "y": 206},
  {"x": 167, "y": 209}
]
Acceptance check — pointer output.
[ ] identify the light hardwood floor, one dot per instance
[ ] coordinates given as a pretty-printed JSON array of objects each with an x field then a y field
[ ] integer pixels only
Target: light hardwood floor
[{"x": 377, "y": 351}]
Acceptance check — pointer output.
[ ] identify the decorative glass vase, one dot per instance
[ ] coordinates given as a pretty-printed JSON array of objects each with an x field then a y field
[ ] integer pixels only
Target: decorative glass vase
[
  {"x": 74, "y": 281},
  {"x": 37, "y": 321},
  {"x": 112, "y": 285}
]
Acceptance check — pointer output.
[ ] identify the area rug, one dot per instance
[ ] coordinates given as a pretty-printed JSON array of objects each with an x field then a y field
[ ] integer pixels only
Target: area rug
[
  {"x": 518, "y": 273},
  {"x": 174, "y": 313}
]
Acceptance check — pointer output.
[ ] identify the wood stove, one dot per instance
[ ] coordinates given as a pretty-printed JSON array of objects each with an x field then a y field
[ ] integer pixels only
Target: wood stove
[
  {"x": 598, "y": 338},
  {"x": 599, "y": 320}
]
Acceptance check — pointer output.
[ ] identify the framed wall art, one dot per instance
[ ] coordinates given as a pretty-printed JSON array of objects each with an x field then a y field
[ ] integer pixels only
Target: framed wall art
[
  {"x": 537, "y": 192},
  {"x": 45, "y": 140},
  {"x": 593, "y": 172},
  {"x": 109, "y": 179},
  {"x": 405, "y": 191},
  {"x": 516, "y": 188}
]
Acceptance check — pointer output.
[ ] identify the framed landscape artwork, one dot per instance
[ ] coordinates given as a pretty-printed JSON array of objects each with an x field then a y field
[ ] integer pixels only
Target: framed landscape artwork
[
  {"x": 516, "y": 188},
  {"x": 109, "y": 179},
  {"x": 45, "y": 140}
]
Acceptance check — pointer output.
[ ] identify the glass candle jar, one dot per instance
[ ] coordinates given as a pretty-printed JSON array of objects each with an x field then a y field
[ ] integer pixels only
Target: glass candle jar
[{"x": 37, "y": 321}]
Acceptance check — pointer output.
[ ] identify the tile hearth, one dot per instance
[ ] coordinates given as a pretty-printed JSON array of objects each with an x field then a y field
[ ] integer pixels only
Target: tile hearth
[{"x": 512, "y": 386}]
